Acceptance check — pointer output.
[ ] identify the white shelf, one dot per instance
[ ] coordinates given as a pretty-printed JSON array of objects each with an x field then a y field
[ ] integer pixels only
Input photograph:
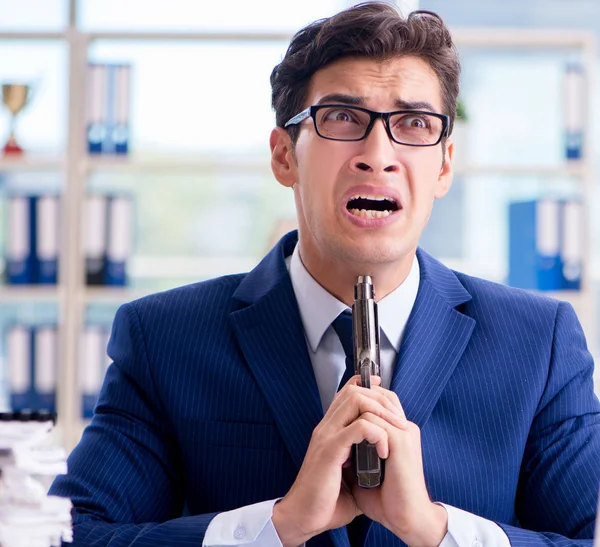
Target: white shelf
[
  {"x": 188, "y": 267},
  {"x": 493, "y": 38},
  {"x": 569, "y": 296},
  {"x": 492, "y": 272},
  {"x": 184, "y": 162},
  {"x": 256, "y": 162},
  {"x": 189, "y": 162},
  {"x": 38, "y": 293},
  {"x": 576, "y": 169},
  {"x": 160, "y": 267},
  {"x": 204, "y": 36},
  {"x": 112, "y": 295},
  {"x": 33, "y": 35},
  {"x": 519, "y": 38},
  {"x": 31, "y": 162}
]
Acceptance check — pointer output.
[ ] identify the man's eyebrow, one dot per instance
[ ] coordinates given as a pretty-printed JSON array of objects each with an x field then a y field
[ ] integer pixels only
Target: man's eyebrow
[
  {"x": 342, "y": 98},
  {"x": 418, "y": 105}
]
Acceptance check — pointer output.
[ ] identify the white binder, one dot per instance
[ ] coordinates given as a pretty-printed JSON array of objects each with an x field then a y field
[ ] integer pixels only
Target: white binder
[
  {"x": 96, "y": 107},
  {"x": 572, "y": 244},
  {"x": 18, "y": 359},
  {"x": 91, "y": 368},
  {"x": 48, "y": 228},
  {"x": 45, "y": 362},
  {"x": 121, "y": 82},
  {"x": 91, "y": 362},
  {"x": 94, "y": 238},
  {"x": 106, "y": 360},
  {"x": 574, "y": 110},
  {"x": 119, "y": 239}
]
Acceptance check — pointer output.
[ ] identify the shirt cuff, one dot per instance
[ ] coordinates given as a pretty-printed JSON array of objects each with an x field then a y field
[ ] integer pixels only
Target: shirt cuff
[
  {"x": 469, "y": 530},
  {"x": 250, "y": 526}
]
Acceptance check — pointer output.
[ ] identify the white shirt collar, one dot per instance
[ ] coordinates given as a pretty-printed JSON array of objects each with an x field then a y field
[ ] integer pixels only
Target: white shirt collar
[{"x": 318, "y": 308}]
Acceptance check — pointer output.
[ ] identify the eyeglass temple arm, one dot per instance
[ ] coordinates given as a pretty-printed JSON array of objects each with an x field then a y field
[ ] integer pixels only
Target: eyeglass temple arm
[{"x": 298, "y": 117}]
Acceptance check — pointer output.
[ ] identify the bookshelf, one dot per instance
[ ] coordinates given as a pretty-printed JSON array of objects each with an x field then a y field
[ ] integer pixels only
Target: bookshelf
[
  {"x": 72, "y": 296},
  {"x": 30, "y": 293}
]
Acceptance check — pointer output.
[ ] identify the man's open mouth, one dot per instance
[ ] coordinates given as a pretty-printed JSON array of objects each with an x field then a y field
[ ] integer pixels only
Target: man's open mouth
[{"x": 372, "y": 206}]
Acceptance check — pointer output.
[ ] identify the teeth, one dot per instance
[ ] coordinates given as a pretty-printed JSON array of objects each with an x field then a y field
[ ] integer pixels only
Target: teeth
[
  {"x": 363, "y": 213},
  {"x": 374, "y": 198}
]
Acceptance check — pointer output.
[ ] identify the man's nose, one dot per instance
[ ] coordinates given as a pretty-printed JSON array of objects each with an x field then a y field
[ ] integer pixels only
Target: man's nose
[{"x": 378, "y": 154}]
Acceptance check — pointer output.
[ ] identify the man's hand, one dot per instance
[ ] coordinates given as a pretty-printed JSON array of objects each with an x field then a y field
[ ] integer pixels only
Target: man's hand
[
  {"x": 402, "y": 503},
  {"x": 319, "y": 499}
]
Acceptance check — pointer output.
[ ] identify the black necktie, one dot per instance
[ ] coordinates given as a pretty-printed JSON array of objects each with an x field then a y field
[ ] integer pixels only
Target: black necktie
[{"x": 342, "y": 324}]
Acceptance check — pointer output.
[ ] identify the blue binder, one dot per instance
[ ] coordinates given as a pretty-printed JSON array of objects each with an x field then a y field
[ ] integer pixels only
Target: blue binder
[
  {"x": 21, "y": 240},
  {"x": 534, "y": 245}
]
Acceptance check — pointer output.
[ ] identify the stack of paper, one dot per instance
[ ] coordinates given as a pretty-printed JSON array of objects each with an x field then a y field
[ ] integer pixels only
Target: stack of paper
[{"x": 28, "y": 516}]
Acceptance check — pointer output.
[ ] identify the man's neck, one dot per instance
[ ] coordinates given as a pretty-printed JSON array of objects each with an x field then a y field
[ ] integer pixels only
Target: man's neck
[{"x": 338, "y": 278}]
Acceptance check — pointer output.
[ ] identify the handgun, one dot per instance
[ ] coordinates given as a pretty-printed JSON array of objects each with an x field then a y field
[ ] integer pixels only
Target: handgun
[{"x": 365, "y": 325}]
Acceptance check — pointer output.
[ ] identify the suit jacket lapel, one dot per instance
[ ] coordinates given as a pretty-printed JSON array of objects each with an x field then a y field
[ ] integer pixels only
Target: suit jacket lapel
[
  {"x": 271, "y": 336},
  {"x": 436, "y": 336}
]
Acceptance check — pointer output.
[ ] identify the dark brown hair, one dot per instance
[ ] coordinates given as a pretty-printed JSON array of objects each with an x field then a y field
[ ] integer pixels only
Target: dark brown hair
[{"x": 372, "y": 29}]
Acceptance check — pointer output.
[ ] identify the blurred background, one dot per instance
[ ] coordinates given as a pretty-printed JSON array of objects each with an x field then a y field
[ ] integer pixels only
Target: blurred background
[{"x": 140, "y": 161}]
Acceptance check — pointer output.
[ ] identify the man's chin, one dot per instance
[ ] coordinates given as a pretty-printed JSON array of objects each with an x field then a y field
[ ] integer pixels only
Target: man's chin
[{"x": 370, "y": 256}]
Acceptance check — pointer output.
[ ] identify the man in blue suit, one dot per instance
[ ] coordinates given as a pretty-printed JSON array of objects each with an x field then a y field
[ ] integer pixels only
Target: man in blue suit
[{"x": 222, "y": 403}]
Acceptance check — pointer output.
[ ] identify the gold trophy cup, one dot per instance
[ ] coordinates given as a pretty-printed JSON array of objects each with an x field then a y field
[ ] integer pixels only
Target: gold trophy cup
[{"x": 15, "y": 97}]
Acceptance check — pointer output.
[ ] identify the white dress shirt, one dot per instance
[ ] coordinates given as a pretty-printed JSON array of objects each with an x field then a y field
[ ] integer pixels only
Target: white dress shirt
[{"x": 252, "y": 526}]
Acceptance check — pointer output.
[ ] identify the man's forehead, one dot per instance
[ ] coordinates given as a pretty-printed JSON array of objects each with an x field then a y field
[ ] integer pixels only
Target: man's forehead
[{"x": 400, "y": 79}]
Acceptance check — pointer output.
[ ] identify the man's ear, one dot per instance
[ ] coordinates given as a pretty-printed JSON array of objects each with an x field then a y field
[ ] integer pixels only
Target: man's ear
[
  {"x": 445, "y": 177},
  {"x": 283, "y": 160}
]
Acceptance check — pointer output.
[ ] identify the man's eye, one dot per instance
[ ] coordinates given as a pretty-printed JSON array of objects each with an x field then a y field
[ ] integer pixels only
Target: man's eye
[
  {"x": 417, "y": 122},
  {"x": 339, "y": 116}
]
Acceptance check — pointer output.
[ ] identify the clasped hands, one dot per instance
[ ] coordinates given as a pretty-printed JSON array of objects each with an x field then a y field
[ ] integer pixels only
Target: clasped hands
[{"x": 325, "y": 494}]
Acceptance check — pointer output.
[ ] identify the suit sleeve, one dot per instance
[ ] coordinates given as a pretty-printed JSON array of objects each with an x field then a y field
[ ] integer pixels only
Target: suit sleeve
[
  {"x": 558, "y": 487},
  {"x": 124, "y": 475}
]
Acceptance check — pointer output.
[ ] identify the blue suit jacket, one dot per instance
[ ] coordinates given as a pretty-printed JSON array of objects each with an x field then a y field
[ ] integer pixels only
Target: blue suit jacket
[{"x": 211, "y": 401}]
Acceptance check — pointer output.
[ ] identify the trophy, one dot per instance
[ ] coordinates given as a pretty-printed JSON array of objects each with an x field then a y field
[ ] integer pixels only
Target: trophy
[{"x": 14, "y": 97}]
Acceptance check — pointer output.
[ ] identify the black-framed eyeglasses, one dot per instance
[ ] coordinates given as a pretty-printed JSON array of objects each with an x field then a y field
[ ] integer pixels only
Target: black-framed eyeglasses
[{"x": 340, "y": 122}]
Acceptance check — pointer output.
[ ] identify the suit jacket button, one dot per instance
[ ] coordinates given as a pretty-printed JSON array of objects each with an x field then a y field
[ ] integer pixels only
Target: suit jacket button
[{"x": 240, "y": 532}]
